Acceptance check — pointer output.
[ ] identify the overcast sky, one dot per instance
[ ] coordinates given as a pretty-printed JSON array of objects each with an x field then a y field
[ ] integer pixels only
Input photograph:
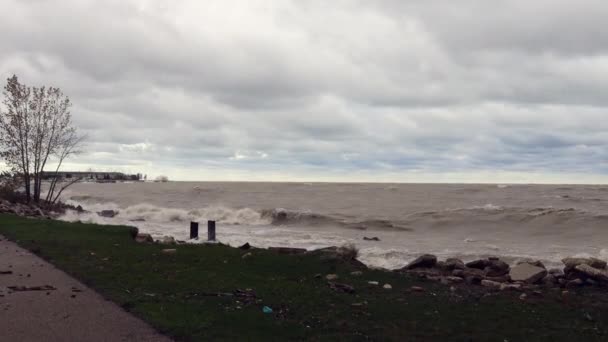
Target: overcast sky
[{"x": 318, "y": 90}]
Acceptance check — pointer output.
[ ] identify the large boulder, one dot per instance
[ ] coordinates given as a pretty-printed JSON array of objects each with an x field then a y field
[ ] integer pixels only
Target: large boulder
[
  {"x": 423, "y": 261},
  {"x": 344, "y": 254},
  {"x": 593, "y": 273},
  {"x": 478, "y": 264},
  {"x": 571, "y": 263},
  {"x": 527, "y": 273},
  {"x": 454, "y": 264},
  {"x": 496, "y": 268}
]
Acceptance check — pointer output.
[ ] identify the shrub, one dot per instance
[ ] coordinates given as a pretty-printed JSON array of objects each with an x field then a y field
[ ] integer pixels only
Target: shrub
[{"x": 9, "y": 188}]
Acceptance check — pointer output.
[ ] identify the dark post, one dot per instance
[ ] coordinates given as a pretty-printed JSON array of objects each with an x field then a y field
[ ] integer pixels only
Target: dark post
[
  {"x": 211, "y": 230},
  {"x": 193, "y": 230}
]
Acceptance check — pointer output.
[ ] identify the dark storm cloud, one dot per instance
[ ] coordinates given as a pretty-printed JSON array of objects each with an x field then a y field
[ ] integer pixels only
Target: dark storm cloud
[{"x": 383, "y": 90}]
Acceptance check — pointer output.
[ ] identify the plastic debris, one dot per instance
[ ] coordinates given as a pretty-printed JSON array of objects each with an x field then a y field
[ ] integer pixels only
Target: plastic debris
[{"x": 267, "y": 310}]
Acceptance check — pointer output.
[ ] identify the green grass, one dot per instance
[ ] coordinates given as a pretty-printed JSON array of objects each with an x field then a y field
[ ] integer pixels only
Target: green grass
[{"x": 172, "y": 293}]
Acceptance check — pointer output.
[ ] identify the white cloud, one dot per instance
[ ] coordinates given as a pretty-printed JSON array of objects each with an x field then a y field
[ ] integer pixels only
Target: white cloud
[{"x": 344, "y": 90}]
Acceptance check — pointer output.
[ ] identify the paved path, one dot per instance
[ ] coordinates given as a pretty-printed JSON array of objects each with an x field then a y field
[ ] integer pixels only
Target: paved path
[{"x": 71, "y": 312}]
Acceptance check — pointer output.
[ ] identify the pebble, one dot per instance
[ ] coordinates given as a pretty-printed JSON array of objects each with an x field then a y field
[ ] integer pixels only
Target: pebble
[
  {"x": 169, "y": 251},
  {"x": 523, "y": 296},
  {"x": 387, "y": 286},
  {"x": 417, "y": 289},
  {"x": 356, "y": 273},
  {"x": 331, "y": 277},
  {"x": 373, "y": 283}
]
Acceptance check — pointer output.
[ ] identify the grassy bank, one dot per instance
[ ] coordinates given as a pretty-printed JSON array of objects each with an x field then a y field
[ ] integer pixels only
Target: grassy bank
[{"x": 178, "y": 294}]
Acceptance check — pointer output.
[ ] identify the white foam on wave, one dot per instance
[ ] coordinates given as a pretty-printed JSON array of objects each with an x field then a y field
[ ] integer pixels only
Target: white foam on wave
[
  {"x": 155, "y": 214},
  {"x": 237, "y": 226},
  {"x": 489, "y": 207}
]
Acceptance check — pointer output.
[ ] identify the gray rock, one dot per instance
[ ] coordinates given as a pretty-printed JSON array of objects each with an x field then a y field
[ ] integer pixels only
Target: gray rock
[
  {"x": 470, "y": 275},
  {"x": 496, "y": 268},
  {"x": 527, "y": 273},
  {"x": 556, "y": 272},
  {"x": 453, "y": 279},
  {"x": 549, "y": 280},
  {"x": 167, "y": 240},
  {"x": 454, "y": 264},
  {"x": 424, "y": 272},
  {"x": 479, "y": 264},
  {"x": 490, "y": 284},
  {"x": 593, "y": 273},
  {"x": 571, "y": 263},
  {"x": 287, "y": 250},
  {"x": 507, "y": 287},
  {"x": 344, "y": 253},
  {"x": 423, "y": 261},
  {"x": 591, "y": 282},
  {"x": 575, "y": 283},
  {"x": 458, "y": 273},
  {"x": 341, "y": 287},
  {"x": 108, "y": 213},
  {"x": 502, "y": 279},
  {"x": 142, "y": 237}
]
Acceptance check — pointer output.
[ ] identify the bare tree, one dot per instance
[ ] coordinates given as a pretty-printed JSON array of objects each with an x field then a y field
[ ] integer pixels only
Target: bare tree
[
  {"x": 69, "y": 146},
  {"x": 35, "y": 128}
]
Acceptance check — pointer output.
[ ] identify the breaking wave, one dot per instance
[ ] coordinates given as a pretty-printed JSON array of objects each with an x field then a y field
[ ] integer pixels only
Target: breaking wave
[
  {"x": 151, "y": 213},
  {"x": 483, "y": 214},
  {"x": 224, "y": 215}
]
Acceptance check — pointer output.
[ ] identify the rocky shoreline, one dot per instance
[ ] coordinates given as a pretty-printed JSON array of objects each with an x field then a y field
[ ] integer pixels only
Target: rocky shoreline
[
  {"x": 492, "y": 273},
  {"x": 34, "y": 211},
  {"x": 525, "y": 275}
]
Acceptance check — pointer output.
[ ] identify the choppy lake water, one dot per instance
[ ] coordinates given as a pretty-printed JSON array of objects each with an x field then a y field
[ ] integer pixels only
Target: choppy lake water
[{"x": 546, "y": 222}]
